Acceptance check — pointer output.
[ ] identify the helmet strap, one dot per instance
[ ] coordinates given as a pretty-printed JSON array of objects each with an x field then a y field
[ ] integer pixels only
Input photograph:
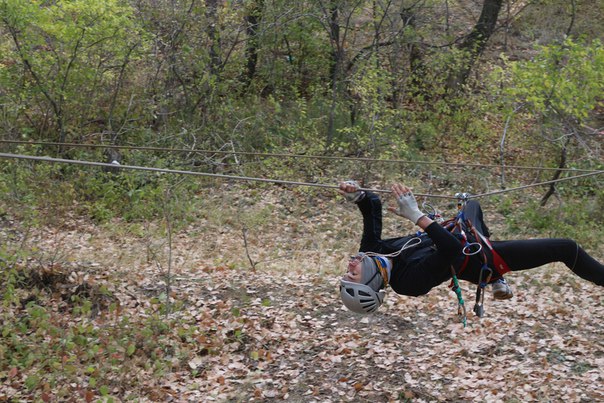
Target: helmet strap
[
  {"x": 372, "y": 277},
  {"x": 383, "y": 271}
]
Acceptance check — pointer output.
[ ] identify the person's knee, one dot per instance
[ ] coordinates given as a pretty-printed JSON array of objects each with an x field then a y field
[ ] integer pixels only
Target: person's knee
[
  {"x": 569, "y": 245},
  {"x": 473, "y": 209},
  {"x": 571, "y": 250},
  {"x": 473, "y": 204},
  {"x": 473, "y": 212}
]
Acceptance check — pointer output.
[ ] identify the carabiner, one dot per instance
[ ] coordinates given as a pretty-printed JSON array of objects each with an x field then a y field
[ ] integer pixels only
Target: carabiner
[
  {"x": 479, "y": 310},
  {"x": 482, "y": 282},
  {"x": 467, "y": 250},
  {"x": 434, "y": 214},
  {"x": 462, "y": 198}
]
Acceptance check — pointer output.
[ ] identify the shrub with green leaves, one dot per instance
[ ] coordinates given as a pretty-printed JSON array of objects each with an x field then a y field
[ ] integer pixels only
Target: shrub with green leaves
[
  {"x": 74, "y": 55},
  {"x": 566, "y": 78}
]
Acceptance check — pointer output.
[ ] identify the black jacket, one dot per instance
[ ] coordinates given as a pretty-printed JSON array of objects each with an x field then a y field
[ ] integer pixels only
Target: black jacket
[{"x": 418, "y": 269}]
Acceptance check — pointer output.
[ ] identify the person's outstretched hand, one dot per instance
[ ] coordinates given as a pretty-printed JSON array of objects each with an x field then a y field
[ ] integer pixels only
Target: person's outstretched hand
[
  {"x": 350, "y": 190},
  {"x": 406, "y": 204}
]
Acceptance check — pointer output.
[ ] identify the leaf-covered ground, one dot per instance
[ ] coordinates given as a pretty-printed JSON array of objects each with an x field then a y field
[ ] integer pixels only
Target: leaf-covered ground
[
  {"x": 298, "y": 343},
  {"x": 278, "y": 332}
]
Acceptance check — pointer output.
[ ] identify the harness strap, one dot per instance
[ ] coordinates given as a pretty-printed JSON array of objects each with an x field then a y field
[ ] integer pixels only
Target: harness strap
[
  {"x": 486, "y": 272},
  {"x": 500, "y": 265}
]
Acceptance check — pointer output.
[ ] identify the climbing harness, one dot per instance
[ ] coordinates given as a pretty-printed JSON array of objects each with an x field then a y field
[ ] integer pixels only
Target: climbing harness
[{"x": 471, "y": 247}]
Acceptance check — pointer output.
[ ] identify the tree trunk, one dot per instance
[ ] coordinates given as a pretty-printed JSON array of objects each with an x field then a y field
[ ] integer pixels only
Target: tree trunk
[
  {"x": 212, "y": 32},
  {"x": 552, "y": 186},
  {"x": 251, "y": 52},
  {"x": 416, "y": 54},
  {"x": 474, "y": 44},
  {"x": 336, "y": 65}
]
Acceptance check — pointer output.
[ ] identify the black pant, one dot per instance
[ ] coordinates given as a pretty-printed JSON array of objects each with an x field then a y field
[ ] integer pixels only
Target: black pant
[{"x": 531, "y": 253}]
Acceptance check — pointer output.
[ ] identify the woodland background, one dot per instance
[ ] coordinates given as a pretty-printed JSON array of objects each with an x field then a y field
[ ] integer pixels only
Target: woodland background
[{"x": 125, "y": 285}]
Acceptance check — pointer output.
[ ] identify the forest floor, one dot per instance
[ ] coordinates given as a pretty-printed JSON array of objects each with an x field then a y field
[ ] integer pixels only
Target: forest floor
[{"x": 261, "y": 303}]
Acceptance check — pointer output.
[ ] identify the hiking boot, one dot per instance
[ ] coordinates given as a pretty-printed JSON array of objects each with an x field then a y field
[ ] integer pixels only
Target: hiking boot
[{"x": 501, "y": 289}]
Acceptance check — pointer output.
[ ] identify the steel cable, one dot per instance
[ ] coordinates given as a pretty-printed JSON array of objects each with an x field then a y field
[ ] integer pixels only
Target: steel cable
[
  {"x": 275, "y": 181},
  {"x": 286, "y": 155}
]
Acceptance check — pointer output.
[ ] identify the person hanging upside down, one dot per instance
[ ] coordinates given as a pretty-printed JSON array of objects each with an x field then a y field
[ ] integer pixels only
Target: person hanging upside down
[{"x": 415, "y": 264}]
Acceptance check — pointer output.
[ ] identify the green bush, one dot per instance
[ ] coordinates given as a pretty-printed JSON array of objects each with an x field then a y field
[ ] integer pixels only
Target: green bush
[
  {"x": 90, "y": 191},
  {"x": 573, "y": 219}
]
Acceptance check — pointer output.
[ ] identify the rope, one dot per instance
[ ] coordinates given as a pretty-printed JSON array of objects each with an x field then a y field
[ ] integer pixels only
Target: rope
[
  {"x": 285, "y": 155},
  {"x": 411, "y": 243},
  {"x": 496, "y": 192},
  {"x": 276, "y": 181},
  {"x": 182, "y": 172}
]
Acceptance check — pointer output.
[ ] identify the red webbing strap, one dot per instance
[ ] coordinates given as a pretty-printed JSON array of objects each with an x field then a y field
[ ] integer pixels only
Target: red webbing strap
[{"x": 500, "y": 265}]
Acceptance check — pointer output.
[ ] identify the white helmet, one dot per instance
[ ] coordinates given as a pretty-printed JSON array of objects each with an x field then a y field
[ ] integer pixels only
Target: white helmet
[{"x": 360, "y": 298}]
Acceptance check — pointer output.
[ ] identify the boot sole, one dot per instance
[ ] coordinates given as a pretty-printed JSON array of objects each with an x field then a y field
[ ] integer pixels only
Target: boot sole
[{"x": 502, "y": 295}]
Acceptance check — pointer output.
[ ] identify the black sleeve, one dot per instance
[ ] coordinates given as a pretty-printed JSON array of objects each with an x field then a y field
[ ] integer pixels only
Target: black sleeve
[
  {"x": 448, "y": 246},
  {"x": 371, "y": 209}
]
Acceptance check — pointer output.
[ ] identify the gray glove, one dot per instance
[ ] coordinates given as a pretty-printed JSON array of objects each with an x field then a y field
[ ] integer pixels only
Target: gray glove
[
  {"x": 355, "y": 196},
  {"x": 407, "y": 207}
]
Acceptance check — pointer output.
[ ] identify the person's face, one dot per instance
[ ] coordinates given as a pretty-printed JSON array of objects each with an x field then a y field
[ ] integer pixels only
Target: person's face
[{"x": 354, "y": 270}]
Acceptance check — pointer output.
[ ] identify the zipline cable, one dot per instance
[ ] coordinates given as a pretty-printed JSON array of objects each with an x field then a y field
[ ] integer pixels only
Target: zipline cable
[
  {"x": 496, "y": 192},
  {"x": 182, "y": 172},
  {"x": 276, "y": 181},
  {"x": 286, "y": 155}
]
